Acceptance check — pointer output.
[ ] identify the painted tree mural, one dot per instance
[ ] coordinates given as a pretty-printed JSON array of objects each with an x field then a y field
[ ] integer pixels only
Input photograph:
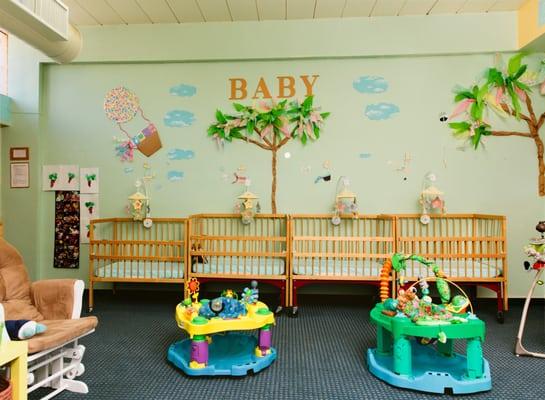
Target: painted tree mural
[
  {"x": 270, "y": 126},
  {"x": 506, "y": 92}
]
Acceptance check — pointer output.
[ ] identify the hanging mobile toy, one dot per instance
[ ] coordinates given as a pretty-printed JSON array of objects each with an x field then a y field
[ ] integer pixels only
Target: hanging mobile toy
[
  {"x": 535, "y": 250},
  {"x": 121, "y": 106},
  {"x": 345, "y": 201},
  {"x": 248, "y": 206},
  {"x": 139, "y": 202},
  {"x": 431, "y": 199}
]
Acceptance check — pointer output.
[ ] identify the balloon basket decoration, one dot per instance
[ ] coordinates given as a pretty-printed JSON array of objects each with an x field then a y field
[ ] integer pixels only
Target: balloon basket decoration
[
  {"x": 121, "y": 106},
  {"x": 213, "y": 348},
  {"x": 415, "y": 337}
]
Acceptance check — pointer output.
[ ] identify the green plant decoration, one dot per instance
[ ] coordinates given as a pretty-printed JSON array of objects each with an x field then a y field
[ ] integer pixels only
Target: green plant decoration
[
  {"x": 53, "y": 178},
  {"x": 90, "y": 178},
  {"x": 506, "y": 92},
  {"x": 90, "y": 205},
  {"x": 71, "y": 176},
  {"x": 270, "y": 126}
]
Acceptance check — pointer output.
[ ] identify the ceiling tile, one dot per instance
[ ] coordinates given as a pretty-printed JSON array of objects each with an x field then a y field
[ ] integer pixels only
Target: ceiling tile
[
  {"x": 300, "y": 9},
  {"x": 243, "y": 10},
  {"x": 186, "y": 10},
  {"x": 447, "y": 6},
  {"x": 101, "y": 11},
  {"x": 417, "y": 7},
  {"x": 329, "y": 8},
  {"x": 215, "y": 10},
  {"x": 78, "y": 15},
  {"x": 477, "y": 6},
  {"x": 507, "y": 5},
  {"x": 358, "y": 8},
  {"x": 271, "y": 9},
  {"x": 129, "y": 11},
  {"x": 387, "y": 8},
  {"x": 158, "y": 11}
]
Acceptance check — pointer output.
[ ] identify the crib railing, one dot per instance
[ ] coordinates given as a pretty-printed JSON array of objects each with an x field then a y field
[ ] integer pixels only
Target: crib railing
[{"x": 352, "y": 250}]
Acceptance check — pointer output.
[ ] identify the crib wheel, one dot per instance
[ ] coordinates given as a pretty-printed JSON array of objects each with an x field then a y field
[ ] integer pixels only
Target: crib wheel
[
  {"x": 278, "y": 310},
  {"x": 293, "y": 312},
  {"x": 90, "y": 309},
  {"x": 500, "y": 317}
]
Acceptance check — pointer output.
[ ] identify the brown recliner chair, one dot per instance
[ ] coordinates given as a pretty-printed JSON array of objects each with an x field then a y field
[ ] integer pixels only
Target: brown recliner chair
[{"x": 54, "y": 356}]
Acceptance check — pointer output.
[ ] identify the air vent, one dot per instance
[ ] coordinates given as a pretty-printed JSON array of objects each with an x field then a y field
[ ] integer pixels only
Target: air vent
[{"x": 47, "y": 17}]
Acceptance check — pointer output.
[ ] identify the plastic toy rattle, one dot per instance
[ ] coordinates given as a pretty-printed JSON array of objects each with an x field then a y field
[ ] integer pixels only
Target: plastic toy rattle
[{"x": 535, "y": 250}]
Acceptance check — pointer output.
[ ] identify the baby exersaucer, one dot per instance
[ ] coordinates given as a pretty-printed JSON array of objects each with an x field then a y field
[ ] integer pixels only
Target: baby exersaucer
[
  {"x": 428, "y": 363},
  {"x": 212, "y": 347}
]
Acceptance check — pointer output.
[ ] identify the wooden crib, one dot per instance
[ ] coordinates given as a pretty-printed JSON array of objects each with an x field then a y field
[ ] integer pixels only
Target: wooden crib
[
  {"x": 123, "y": 250},
  {"x": 221, "y": 247},
  {"x": 352, "y": 251},
  {"x": 470, "y": 248}
]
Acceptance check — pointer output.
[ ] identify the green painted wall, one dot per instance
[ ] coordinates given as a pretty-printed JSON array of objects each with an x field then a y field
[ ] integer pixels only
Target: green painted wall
[{"x": 70, "y": 127}]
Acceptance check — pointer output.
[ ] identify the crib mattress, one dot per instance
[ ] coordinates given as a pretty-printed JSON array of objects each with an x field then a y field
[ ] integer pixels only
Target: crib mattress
[
  {"x": 332, "y": 267},
  {"x": 354, "y": 267},
  {"x": 241, "y": 266},
  {"x": 141, "y": 269}
]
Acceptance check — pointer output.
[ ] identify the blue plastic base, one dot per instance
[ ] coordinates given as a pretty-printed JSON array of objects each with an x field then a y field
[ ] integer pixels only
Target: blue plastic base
[
  {"x": 432, "y": 372},
  {"x": 228, "y": 354}
]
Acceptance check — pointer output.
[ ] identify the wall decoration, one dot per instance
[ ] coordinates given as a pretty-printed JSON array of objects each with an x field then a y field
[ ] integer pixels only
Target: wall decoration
[
  {"x": 443, "y": 117},
  {"x": 179, "y": 118},
  {"x": 89, "y": 182},
  {"x": 240, "y": 176},
  {"x": 179, "y": 154},
  {"x": 370, "y": 84},
  {"x": 84, "y": 229},
  {"x": 503, "y": 89},
  {"x": 19, "y": 154},
  {"x": 67, "y": 229},
  {"x": 270, "y": 126},
  {"x": 403, "y": 166},
  {"x": 128, "y": 170},
  {"x": 183, "y": 90},
  {"x": 19, "y": 175},
  {"x": 365, "y": 156},
  {"x": 381, "y": 111},
  {"x": 89, "y": 207},
  {"x": 325, "y": 178},
  {"x": 60, "y": 177},
  {"x": 121, "y": 106},
  {"x": 175, "y": 176}
]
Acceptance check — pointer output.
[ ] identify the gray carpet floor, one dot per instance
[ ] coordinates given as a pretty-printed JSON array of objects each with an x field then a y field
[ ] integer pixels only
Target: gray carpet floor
[{"x": 321, "y": 355}]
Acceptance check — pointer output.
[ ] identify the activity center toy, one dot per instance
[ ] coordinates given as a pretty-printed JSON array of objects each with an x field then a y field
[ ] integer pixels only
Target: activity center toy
[
  {"x": 212, "y": 347},
  {"x": 535, "y": 250},
  {"x": 409, "y": 327}
]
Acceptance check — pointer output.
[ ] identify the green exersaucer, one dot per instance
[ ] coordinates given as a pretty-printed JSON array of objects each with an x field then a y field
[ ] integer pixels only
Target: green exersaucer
[{"x": 415, "y": 339}]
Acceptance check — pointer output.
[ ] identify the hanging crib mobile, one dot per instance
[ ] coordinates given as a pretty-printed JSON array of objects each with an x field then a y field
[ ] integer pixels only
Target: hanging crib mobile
[
  {"x": 345, "y": 201},
  {"x": 139, "y": 204},
  {"x": 431, "y": 199},
  {"x": 248, "y": 207},
  {"x": 121, "y": 106}
]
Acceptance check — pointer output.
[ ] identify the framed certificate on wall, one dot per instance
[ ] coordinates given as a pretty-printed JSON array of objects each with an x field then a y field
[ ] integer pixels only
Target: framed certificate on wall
[
  {"x": 19, "y": 154},
  {"x": 19, "y": 175}
]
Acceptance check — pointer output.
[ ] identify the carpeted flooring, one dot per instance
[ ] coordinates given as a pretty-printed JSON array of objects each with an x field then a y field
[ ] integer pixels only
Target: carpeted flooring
[{"x": 321, "y": 355}]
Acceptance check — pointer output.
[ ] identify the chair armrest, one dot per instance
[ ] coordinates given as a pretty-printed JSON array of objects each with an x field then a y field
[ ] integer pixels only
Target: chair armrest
[
  {"x": 5, "y": 337},
  {"x": 58, "y": 298}
]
